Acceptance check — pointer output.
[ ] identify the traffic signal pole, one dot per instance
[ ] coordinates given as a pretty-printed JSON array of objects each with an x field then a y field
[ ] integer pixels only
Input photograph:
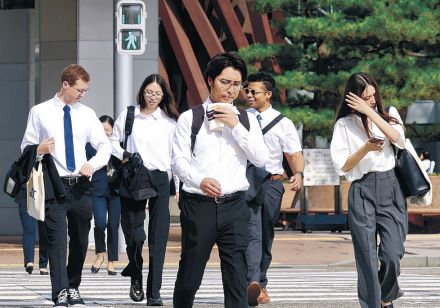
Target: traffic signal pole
[{"x": 129, "y": 34}]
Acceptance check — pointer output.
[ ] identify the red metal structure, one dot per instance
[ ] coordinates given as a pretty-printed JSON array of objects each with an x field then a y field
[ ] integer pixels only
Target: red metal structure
[{"x": 193, "y": 31}]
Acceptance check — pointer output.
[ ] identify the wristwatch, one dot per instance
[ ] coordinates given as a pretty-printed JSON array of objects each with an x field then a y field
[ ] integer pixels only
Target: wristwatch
[{"x": 300, "y": 173}]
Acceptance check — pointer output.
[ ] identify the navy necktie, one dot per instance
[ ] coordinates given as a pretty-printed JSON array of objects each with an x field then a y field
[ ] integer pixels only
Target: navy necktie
[
  {"x": 68, "y": 140},
  {"x": 259, "y": 119}
]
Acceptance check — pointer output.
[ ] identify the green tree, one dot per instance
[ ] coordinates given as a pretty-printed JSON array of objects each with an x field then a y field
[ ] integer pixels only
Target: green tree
[{"x": 396, "y": 42}]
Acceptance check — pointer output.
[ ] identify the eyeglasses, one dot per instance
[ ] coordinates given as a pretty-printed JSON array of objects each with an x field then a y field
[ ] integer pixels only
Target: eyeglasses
[
  {"x": 80, "y": 91},
  {"x": 253, "y": 92},
  {"x": 226, "y": 84},
  {"x": 151, "y": 93}
]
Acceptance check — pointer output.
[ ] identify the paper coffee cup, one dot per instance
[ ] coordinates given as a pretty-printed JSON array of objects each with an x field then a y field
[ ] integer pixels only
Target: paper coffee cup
[{"x": 215, "y": 124}]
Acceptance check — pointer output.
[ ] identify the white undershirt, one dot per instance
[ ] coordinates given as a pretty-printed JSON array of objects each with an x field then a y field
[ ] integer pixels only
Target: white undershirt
[{"x": 349, "y": 136}]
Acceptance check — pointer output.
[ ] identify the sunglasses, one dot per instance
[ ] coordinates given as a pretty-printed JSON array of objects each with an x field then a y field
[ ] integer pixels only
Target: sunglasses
[{"x": 253, "y": 92}]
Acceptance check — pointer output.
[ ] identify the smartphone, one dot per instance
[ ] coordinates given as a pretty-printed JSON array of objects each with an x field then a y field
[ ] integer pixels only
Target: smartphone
[{"x": 376, "y": 139}]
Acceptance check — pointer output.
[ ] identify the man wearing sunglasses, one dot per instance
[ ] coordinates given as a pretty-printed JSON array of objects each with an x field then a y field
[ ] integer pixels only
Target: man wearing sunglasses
[{"x": 281, "y": 139}]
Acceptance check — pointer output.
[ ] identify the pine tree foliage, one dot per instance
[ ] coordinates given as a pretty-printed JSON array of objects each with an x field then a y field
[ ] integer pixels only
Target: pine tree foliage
[{"x": 396, "y": 41}]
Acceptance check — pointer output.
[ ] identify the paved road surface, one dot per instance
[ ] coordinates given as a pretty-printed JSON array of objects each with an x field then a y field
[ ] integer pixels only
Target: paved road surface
[{"x": 289, "y": 286}]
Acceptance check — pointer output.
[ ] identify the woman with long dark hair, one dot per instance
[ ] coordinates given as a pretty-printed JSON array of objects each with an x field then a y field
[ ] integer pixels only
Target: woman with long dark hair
[
  {"x": 151, "y": 137},
  {"x": 106, "y": 207},
  {"x": 362, "y": 151}
]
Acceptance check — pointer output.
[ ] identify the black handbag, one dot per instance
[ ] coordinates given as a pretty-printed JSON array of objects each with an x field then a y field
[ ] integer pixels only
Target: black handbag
[
  {"x": 136, "y": 181},
  {"x": 409, "y": 174}
]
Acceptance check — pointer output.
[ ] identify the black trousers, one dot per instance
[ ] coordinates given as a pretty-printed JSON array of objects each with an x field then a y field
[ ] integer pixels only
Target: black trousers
[
  {"x": 132, "y": 223},
  {"x": 203, "y": 224},
  {"x": 77, "y": 207}
]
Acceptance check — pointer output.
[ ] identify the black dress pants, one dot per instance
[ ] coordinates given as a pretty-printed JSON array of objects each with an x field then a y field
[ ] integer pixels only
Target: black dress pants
[
  {"x": 205, "y": 223},
  {"x": 132, "y": 223},
  {"x": 77, "y": 207}
]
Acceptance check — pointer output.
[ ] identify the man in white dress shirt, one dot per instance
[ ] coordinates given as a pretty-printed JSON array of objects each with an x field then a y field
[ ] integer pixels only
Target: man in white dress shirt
[
  {"x": 213, "y": 208},
  {"x": 281, "y": 139},
  {"x": 61, "y": 127}
]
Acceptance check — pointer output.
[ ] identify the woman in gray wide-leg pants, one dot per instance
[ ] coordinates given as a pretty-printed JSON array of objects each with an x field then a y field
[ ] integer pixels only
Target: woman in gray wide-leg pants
[
  {"x": 377, "y": 207},
  {"x": 362, "y": 151}
]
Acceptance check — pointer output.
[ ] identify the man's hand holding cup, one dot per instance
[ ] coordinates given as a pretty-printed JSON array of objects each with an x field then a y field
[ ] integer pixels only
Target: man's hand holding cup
[{"x": 221, "y": 114}]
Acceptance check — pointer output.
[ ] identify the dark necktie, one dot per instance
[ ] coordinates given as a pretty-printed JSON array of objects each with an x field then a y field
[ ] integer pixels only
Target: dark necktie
[
  {"x": 259, "y": 119},
  {"x": 68, "y": 140}
]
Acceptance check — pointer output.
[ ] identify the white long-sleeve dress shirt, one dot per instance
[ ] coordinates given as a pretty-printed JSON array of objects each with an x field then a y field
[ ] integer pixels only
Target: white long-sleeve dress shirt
[
  {"x": 46, "y": 120},
  {"x": 221, "y": 155},
  {"x": 151, "y": 137},
  {"x": 349, "y": 136},
  {"x": 281, "y": 138}
]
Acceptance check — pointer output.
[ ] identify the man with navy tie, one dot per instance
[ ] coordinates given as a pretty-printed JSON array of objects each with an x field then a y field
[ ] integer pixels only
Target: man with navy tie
[{"x": 61, "y": 127}]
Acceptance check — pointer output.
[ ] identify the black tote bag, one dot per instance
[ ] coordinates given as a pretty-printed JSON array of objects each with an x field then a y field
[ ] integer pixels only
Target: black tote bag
[{"x": 410, "y": 176}]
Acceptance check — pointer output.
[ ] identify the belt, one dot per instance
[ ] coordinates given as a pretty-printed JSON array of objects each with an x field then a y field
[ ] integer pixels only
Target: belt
[
  {"x": 73, "y": 180},
  {"x": 275, "y": 177},
  {"x": 218, "y": 200}
]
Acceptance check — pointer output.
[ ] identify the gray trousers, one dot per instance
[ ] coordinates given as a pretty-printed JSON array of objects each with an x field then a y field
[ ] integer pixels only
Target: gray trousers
[
  {"x": 376, "y": 206},
  {"x": 261, "y": 231}
]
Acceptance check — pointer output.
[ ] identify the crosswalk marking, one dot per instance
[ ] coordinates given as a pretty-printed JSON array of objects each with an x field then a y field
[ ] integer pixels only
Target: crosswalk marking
[{"x": 288, "y": 285}]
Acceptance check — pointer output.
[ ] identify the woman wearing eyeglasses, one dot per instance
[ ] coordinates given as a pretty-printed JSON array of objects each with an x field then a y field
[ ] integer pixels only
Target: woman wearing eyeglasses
[
  {"x": 151, "y": 137},
  {"x": 361, "y": 150}
]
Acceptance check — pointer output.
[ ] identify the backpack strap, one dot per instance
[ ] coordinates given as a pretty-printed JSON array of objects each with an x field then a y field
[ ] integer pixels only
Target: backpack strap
[
  {"x": 199, "y": 116},
  {"x": 197, "y": 121},
  {"x": 244, "y": 118},
  {"x": 272, "y": 123},
  {"x": 128, "y": 124}
]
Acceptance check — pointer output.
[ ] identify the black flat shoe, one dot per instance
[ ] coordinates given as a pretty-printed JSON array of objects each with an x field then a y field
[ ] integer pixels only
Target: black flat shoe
[
  {"x": 154, "y": 302},
  {"x": 94, "y": 270},
  {"x": 112, "y": 273},
  {"x": 136, "y": 291},
  {"x": 390, "y": 305},
  {"x": 29, "y": 269}
]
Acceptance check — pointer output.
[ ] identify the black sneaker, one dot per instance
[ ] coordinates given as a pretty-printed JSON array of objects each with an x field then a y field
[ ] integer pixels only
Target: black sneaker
[
  {"x": 61, "y": 300},
  {"x": 75, "y": 299}
]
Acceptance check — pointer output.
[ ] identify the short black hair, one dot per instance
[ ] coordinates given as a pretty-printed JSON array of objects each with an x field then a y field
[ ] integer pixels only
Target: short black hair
[
  {"x": 426, "y": 154},
  {"x": 221, "y": 61},
  {"x": 107, "y": 119},
  {"x": 265, "y": 78}
]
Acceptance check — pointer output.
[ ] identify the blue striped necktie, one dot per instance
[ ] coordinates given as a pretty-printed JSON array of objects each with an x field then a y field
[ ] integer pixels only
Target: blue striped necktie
[{"x": 68, "y": 140}]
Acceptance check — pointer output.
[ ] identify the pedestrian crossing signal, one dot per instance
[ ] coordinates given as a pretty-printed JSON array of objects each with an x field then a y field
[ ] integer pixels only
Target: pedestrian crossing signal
[{"x": 130, "y": 29}]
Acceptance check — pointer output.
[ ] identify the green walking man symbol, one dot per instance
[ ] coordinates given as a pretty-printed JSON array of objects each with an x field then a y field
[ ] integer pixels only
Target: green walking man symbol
[{"x": 131, "y": 40}]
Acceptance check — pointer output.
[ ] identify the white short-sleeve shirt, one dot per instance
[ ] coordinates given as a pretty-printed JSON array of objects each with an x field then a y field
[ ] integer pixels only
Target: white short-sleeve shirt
[
  {"x": 282, "y": 138},
  {"x": 349, "y": 136}
]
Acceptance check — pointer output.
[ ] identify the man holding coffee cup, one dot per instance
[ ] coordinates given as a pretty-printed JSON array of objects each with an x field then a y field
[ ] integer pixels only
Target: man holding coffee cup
[{"x": 213, "y": 208}]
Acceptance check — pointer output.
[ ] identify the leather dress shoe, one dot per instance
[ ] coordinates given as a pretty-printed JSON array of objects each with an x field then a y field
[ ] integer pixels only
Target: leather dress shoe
[
  {"x": 263, "y": 298},
  {"x": 154, "y": 302},
  {"x": 253, "y": 291},
  {"x": 136, "y": 291}
]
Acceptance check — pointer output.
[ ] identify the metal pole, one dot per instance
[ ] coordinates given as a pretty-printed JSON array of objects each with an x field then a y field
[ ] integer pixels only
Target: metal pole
[{"x": 123, "y": 76}]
